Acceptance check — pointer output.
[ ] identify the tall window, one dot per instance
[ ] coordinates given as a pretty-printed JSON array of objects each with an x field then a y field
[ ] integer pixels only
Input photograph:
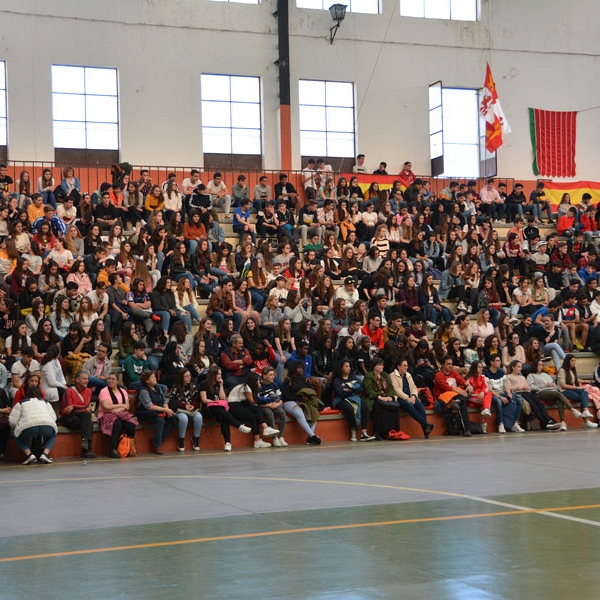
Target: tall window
[
  {"x": 231, "y": 119},
  {"x": 3, "y": 126},
  {"x": 85, "y": 107},
  {"x": 372, "y": 7},
  {"x": 456, "y": 10},
  {"x": 326, "y": 118},
  {"x": 457, "y": 134}
]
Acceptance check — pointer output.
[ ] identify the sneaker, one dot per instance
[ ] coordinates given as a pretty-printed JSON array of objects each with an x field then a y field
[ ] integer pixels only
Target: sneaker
[
  {"x": 282, "y": 442},
  {"x": 353, "y": 435},
  {"x": 227, "y": 447},
  {"x": 30, "y": 460},
  {"x": 181, "y": 445},
  {"x": 462, "y": 306},
  {"x": 576, "y": 413},
  {"x": 516, "y": 428},
  {"x": 514, "y": 321},
  {"x": 313, "y": 440},
  {"x": 486, "y": 412},
  {"x": 45, "y": 459},
  {"x": 261, "y": 444},
  {"x": 553, "y": 426},
  {"x": 484, "y": 426},
  {"x": 196, "y": 444},
  {"x": 431, "y": 325},
  {"x": 365, "y": 437},
  {"x": 269, "y": 431},
  {"x": 88, "y": 454},
  {"x": 563, "y": 426},
  {"x": 590, "y": 425},
  {"x": 114, "y": 454},
  {"x": 427, "y": 430},
  {"x": 501, "y": 428},
  {"x": 244, "y": 429},
  {"x": 587, "y": 414},
  {"x": 579, "y": 346},
  {"x": 276, "y": 442},
  {"x": 467, "y": 433}
]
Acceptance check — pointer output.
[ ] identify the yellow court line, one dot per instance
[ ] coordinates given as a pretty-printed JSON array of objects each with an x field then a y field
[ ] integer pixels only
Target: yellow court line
[{"x": 278, "y": 532}]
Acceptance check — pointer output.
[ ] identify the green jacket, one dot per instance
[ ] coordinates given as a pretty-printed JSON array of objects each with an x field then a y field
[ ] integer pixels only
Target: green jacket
[{"x": 370, "y": 389}]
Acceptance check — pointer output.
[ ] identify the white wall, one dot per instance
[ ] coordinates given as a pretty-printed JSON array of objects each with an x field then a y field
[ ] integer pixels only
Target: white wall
[{"x": 543, "y": 53}]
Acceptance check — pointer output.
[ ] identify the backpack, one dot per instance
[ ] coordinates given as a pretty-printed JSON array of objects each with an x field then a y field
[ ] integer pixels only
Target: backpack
[{"x": 124, "y": 446}]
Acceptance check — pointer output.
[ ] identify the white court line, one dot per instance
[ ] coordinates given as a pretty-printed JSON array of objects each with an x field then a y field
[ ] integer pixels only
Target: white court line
[{"x": 545, "y": 513}]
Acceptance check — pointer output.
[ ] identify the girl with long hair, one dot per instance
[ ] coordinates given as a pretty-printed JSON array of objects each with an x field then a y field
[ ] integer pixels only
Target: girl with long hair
[
  {"x": 86, "y": 315},
  {"x": 185, "y": 401},
  {"x": 186, "y": 303}
]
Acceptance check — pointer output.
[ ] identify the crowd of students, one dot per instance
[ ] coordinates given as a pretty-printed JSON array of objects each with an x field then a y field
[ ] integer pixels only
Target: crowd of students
[{"x": 128, "y": 263}]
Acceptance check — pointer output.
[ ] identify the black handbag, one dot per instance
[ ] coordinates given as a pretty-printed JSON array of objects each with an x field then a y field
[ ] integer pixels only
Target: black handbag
[{"x": 391, "y": 405}]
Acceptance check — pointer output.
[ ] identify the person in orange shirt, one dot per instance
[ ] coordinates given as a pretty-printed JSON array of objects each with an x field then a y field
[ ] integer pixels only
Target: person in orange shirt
[{"x": 36, "y": 209}]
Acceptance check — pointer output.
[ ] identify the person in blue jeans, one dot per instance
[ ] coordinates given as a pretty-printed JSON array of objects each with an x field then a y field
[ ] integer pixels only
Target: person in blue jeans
[
  {"x": 33, "y": 417},
  {"x": 408, "y": 396},
  {"x": 99, "y": 367},
  {"x": 154, "y": 408},
  {"x": 241, "y": 220}
]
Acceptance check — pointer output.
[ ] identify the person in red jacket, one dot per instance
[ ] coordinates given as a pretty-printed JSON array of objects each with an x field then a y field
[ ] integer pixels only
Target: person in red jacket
[
  {"x": 235, "y": 363},
  {"x": 567, "y": 222},
  {"x": 374, "y": 332},
  {"x": 448, "y": 387}
]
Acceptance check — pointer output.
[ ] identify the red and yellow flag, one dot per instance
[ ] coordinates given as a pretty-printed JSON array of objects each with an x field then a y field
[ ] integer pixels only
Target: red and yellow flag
[
  {"x": 576, "y": 189},
  {"x": 496, "y": 125}
]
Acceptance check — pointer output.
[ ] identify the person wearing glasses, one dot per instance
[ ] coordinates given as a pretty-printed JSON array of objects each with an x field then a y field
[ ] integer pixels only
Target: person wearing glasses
[{"x": 99, "y": 367}]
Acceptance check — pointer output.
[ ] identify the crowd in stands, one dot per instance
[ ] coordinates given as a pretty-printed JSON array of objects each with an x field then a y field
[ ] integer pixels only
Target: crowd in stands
[{"x": 330, "y": 295}]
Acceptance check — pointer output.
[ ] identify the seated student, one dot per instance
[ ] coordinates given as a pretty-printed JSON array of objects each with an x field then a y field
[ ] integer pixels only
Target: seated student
[
  {"x": 378, "y": 394},
  {"x": 134, "y": 365},
  {"x": 30, "y": 418},
  {"x": 451, "y": 392},
  {"x": 76, "y": 413},
  {"x": 53, "y": 379},
  {"x": 186, "y": 404},
  {"x": 244, "y": 407},
  {"x": 241, "y": 220},
  {"x": 21, "y": 368},
  {"x": 271, "y": 403},
  {"x": 346, "y": 397},
  {"x": 171, "y": 364},
  {"x": 215, "y": 406},
  {"x": 153, "y": 408},
  {"x": 114, "y": 416},
  {"x": 300, "y": 400},
  {"x": 407, "y": 396},
  {"x": 99, "y": 367}
]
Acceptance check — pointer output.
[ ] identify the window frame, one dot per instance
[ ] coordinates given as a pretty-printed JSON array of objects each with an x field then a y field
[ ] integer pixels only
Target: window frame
[
  {"x": 476, "y": 6},
  {"x": 231, "y": 102},
  {"x": 86, "y": 95},
  {"x": 4, "y": 104},
  {"x": 325, "y": 106},
  {"x": 487, "y": 163},
  {"x": 326, "y": 4}
]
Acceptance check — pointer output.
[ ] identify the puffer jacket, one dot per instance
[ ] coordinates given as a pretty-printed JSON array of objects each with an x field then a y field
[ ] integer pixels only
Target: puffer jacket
[{"x": 31, "y": 412}]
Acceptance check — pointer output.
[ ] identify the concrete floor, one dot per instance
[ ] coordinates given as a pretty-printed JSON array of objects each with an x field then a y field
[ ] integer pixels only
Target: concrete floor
[{"x": 512, "y": 516}]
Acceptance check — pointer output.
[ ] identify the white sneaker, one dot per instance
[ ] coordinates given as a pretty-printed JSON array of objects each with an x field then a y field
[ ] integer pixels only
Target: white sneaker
[
  {"x": 44, "y": 458},
  {"x": 431, "y": 325},
  {"x": 353, "y": 435},
  {"x": 514, "y": 321},
  {"x": 576, "y": 413},
  {"x": 282, "y": 442},
  {"x": 486, "y": 412},
  {"x": 244, "y": 429},
  {"x": 462, "y": 306},
  {"x": 563, "y": 426},
  {"x": 261, "y": 444},
  {"x": 587, "y": 414},
  {"x": 590, "y": 425},
  {"x": 516, "y": 428},
  {"x": 227, "y": 447},
  {"x": 30, "y": 460},
  {"x": 501, "y": 428},
  {"x": 276, "y": 442},
  {"x": 269, "y": 431}
]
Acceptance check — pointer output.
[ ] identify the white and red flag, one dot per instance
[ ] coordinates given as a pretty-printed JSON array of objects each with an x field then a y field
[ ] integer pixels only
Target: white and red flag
[{"x": 496, "y": 125}]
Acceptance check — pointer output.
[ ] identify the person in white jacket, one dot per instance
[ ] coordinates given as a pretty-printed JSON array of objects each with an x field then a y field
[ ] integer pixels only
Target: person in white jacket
[
  {"x": 53, "y": 379},
  {"x": 33, "y": 417}
]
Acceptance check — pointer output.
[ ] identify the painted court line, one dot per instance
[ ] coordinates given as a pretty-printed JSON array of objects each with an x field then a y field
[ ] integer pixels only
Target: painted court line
[
  {"x": 547, "y": 512},
  {"x": 279, "y": 532}
]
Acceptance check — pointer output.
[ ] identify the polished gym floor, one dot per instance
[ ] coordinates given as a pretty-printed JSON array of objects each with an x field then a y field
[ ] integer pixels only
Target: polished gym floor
[{"x": 514, "y": 516}]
